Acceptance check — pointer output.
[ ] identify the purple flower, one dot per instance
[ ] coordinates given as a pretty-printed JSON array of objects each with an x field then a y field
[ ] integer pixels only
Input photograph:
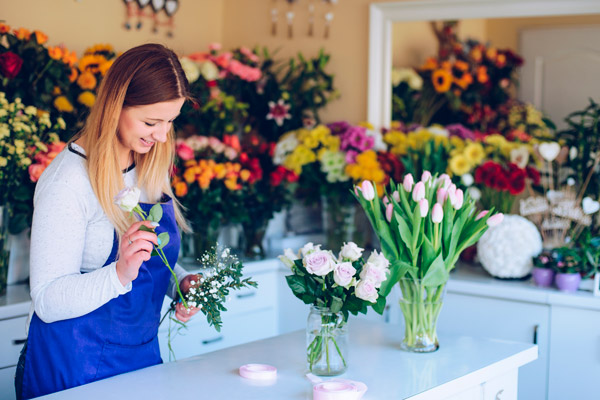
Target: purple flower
[
  {"x": 338, "y": 128},
  {"x": 460, "y": 131},
  {"x": 351, "y": 156}
]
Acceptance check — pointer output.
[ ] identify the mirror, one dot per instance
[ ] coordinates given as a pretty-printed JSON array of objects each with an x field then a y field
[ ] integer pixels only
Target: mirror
[{"x": 401, "y": 35}]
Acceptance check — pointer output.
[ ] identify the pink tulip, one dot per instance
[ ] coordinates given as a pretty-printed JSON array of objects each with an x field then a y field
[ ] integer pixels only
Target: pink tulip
[
  {"x": 396, "y": 196},
  {"x": 356, "y": 189},
  {"x": 386, "y": 201},
  {"x": 408, "y": 182},
  {"x": 388, "y": 212},
  {"x": 495, "y": 219},
  {"x": 368, "y": 191},
  {"x": 445, "y": 180},
  {"x": 481, "y": 215},
  {"x": 423, "y": 207},
  {"x": 419, "y": 192},
  {"x": 452, "y": 193},
  {"x": 425, "y": 176},
  {"x": 442, "y": 195},
  {"x": 460, "y": 198},
  {"x": 437, "y": 214}
]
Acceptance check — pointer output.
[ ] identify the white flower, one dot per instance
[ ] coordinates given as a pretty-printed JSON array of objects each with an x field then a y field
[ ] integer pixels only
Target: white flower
[
  {"x": 128, "y": 198},
  {"x": 408, "y": 75},
  {"x": 209, "y": 71},
  {"x": 309, "y": 248},
  {"x": 378, "y": 260},
  {"x": 343, "y": 274},
  {"x": 438, "y": 130},
  {"x": 350, "y": 251},
  {"x": 319, "y": 262},
  {"x": 192, "y": 73},
  {"x": 288, "y": 258},
  {"x": 520, "y": 156},
  {"x": 467, "y": 179},
  {"x": 365, "y": 289},
  {"x": 374, "y": 274},
  {"x": 474, "y": 193}
]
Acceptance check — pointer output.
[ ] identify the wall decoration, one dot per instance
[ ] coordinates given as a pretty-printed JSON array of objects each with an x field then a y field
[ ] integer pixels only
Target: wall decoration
[
  {"x": 329, "y": 16},
  {"x": 136, "y": 10},
  {"x": 274, "y": 14},
  {"x": 323, "y": 9}
]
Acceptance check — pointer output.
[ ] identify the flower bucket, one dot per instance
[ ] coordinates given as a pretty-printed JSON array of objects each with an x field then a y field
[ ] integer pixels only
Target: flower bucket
[
  {"x": 421, "y": 306},
  {"x": 568, "y": 282},
  {"x": 326, "y": 342},
  {"x": 543, "y": 277}
]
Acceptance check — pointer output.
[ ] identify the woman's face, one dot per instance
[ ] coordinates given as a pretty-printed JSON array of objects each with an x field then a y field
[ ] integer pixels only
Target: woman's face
[{"x": 140, "y": 127}]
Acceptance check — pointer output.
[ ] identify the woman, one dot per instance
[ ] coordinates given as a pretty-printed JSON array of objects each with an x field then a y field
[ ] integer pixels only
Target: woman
[{"x": 96, "y": 291}]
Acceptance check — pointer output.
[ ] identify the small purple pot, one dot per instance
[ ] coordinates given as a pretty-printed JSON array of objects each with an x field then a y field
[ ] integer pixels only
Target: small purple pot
[
  {"x": 542, "y": 277},
  {"x": 568, "y": 282}
]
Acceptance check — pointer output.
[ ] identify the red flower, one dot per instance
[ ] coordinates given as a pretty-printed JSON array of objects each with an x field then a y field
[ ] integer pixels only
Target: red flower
[
  {"x": 184, "y": 151},
  {"x": 10, "y": 64},
  {"x": 516, "y": 182},
  {"x": 488, "y": 173},
  {"x": 232, "y": 141},
  {"x": 277, "y": 176},
  {"x": 291, "y": 176},
  {"x": 392, "y": 167},
  {"x": 533, "y": 174}
]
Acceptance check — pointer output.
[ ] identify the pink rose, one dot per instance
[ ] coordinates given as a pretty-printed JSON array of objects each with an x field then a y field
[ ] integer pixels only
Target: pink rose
[
  {"x": 319, "y": 263},
  {"x": 35, "y": 171},
  {"x": 371, "y": 273},
  {"x": 365, "y": 290},
  {"x": 184, "y": 152},
  {"x": 343, "y": 273}
]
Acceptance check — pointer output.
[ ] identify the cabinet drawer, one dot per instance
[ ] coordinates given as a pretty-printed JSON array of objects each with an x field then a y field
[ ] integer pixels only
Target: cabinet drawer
[
  {"x": 200, "y": 338},
  {"x": 7, "y": 383},
  {"x": 11, "y": 343},
  {"x": 249, "y": 299},
  {"x": 502, "y": 388}
]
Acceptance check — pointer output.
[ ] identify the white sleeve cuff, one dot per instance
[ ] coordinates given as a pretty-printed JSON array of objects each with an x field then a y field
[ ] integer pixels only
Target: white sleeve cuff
[{"x": 114, "y": 277}]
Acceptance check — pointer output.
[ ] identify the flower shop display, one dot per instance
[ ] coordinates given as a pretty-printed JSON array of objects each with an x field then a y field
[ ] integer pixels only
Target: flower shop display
[
  {"x": 506, "y": 251},
  {"x": 334, "y": 287},
  {"x": 423, "y": 227},
  {"x": 221, "y": 273}
]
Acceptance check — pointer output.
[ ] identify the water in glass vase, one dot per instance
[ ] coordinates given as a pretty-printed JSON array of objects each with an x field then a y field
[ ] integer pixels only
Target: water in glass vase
[{"x": 326, "y": 342}]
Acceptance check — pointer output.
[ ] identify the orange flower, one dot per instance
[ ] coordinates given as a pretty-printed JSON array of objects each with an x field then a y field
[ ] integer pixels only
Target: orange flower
[
  {"x": 476, "y": 54},
  {"x": 87, "y": 80},
  {"x": 105, "y": 66},
  {"x": 40, "y": 37},
  {"x": 69, "y": 58},
  {"x": 56, "y": 91},
  {"x": 55, "y": 53},
  {"x": 22, "y": 34},
  {"x": 204, "y": 181},
  {"x": 442, "y": 80},
  {"x": 482, "y": 75},
  {"x": 73, "y": 75},
  {"x": 446, "y": 65},
  {"x": 181, "y": 189},
  {"x": 220, "y": 171},
  {"x": 91, "y": 63},
  {"x": 491, "y": 53},
  {"x": 464, "y": 81},
  {"x": 232, "y": 184},
  {"x": 4, "y": 28},
  {"x": 189, "y": 175},
  {"x": 461, "y": 65},
  {"x": 245, "y": 175},
  {"x": 430, "y": 64},
  {"x": 501, "y": 60}
]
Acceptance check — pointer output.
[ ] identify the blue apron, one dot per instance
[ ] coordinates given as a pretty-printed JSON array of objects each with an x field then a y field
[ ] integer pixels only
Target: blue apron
[{"x": 118, "y": 337}]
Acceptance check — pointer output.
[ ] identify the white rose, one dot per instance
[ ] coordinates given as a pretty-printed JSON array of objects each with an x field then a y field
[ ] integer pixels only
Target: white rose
[
  {"x": 319, "y": 262},
  {"x": 309, "y": 247},
  {"x": 128, "y": 198},
  {"x": 288, "y": 258},
  {"x": 209, "y": 71},
  {"x": 365, "y": 289},
  {"x": 343, "y": 274},
  {"x": 379, "y": 261},
  {"x": 192, "y": 73},
  {"x": 372, "y": 273},
  {"x": 350, "y": 251}
]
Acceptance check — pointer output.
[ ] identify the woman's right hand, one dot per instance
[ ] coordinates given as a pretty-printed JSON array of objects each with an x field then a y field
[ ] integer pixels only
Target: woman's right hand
[{"x": 136, "y": 247}]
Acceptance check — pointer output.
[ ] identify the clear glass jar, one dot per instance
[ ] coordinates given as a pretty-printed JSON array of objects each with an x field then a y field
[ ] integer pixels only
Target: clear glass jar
[{"x": 326, "y": 342}]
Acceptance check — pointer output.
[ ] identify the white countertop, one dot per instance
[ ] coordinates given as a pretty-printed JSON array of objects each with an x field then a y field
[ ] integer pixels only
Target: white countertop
[
  {"x": 472, "y": 279},
  {"x": 375, "y": 359}
]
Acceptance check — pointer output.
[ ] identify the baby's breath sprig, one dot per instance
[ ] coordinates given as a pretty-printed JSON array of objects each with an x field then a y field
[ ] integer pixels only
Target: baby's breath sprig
[{"x": 220, "y": 273}]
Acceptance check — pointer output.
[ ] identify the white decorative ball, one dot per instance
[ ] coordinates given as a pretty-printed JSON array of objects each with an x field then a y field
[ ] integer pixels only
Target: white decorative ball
[{"x": 507, "y": 250}]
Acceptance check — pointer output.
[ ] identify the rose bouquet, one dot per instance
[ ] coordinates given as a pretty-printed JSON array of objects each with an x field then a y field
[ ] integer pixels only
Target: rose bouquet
[
  {"x": 335, "y": 287},
  {"x": 422, "y": 227}
]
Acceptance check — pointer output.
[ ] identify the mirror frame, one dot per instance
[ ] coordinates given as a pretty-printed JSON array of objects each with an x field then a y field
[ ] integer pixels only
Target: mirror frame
[{"x": 383, "y": 15}]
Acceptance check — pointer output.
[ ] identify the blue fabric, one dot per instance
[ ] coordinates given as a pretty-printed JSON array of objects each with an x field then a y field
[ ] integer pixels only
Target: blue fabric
[{"x": 120, "y": 336}]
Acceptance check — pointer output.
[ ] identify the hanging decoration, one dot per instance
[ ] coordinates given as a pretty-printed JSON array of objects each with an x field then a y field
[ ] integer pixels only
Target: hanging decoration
[
  {"x": 274, "y": 18},
  {"x": 290, "y": 18},
  {"x": 136, "y": 10},
  {"x": 313, "y": 11},
  {"x": 311, "y": 18},
  {"x": 329, "y": 16}
]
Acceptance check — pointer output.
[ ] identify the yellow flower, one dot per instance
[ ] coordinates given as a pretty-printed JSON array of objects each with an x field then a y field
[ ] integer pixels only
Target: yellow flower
[
  {"x": 366, "y": 124},
  {"x": 332, "y": 143},
  {"x": 62, "y": 104},
  {"x": 459, "y": 165},
  {"x": 87, "y": 80},
  {"x": 87, "y": 98},
  {"x": 474, "y": 153},
  {"x": 457, "y": 143},
  {"x": 311, "y": 142},
  {"x": 495, "y": 140},
  {"x": 99, "y": 48},
  {"x": 91, "y": 63},
  {"x": 3, "y": 161},
  {"x": 104, "y": 67},
  {"x": 321, "y": 132}
]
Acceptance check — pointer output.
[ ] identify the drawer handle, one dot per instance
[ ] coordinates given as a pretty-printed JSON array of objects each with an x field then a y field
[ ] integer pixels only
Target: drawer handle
[
  {"x": 535, "y": 334},
  {"x": 499, "y": 393},
  {"x": 245, "y": 295},
  {"x": 17, "y": 342},
  {"x": 215, "y": 340}
]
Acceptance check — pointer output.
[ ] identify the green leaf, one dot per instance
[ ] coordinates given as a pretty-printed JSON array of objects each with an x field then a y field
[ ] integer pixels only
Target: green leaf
[
  {"x": 156, "y": 213},
  {"x": 336, "y": 304},
  {"x": 164, "y": 239},
  {"x": 398, "y": 269},
  {"x": 436, "y": 274},
  {"x": 379, "y": 307},
  {"x": 297, "y": 284},
  {"x": 146, "y": 229}
]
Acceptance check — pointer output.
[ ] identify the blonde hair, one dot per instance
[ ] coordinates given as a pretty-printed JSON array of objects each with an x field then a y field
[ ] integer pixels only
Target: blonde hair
[{"x": 143, "y": 75}]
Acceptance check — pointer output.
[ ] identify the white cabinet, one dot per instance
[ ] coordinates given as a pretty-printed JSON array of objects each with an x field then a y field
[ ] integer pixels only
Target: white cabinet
[
  {"x": 575, "y": 354},
  {"x": 506, "y": 320}
]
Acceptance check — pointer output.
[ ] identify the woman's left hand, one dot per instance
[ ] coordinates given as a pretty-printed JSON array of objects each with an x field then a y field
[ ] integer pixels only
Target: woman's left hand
[{"x": 181, "y": 313}]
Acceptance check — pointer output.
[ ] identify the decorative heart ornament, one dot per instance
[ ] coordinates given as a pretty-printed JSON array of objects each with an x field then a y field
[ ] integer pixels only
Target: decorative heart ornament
[
  {"x": 549, "y": 151},
  {"x": 590, "y": 206},
  {"x": 171, "y": 6}
]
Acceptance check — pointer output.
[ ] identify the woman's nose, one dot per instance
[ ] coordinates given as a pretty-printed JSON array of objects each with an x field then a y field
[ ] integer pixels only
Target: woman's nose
[{"x": 160, "y": 134}]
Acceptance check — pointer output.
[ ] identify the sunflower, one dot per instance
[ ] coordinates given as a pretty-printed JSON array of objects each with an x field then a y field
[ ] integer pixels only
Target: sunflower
[
  {"x": 63, "y": 104},
  {"x": 87, "y": 80},
  {"x": 91, "y": 63},
  {"x": 442, "y": 80},
  {"x": 103, "y": 49},
  {"x": 105, "y": 66},
  {"x": 87, "y": 99}
]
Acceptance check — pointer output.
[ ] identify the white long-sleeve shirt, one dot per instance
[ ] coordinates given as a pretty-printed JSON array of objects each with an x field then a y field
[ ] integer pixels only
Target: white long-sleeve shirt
[{"x": 71, "y": 234}]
